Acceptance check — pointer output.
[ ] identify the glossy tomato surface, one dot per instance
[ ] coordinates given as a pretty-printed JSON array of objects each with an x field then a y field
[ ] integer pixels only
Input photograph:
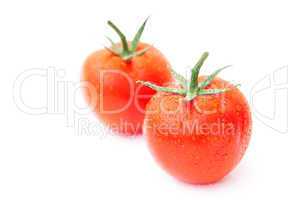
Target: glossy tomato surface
[
  {"x": 111, "y": 87},
  {"x": 200, "y": 141}
]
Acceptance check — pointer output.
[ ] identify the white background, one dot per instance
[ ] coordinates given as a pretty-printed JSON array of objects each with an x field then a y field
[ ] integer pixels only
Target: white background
[{"x": 44, "y": 157}]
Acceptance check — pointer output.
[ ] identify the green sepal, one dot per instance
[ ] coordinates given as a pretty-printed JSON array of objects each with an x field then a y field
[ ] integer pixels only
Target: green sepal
[
  {"x": 122, "y": 37},
  {"x": 209, "y": 79},
  {"x": 137, "y": 53},
  {"x": 111, "y": 50},
  {"x": 116, "y": 50},
  {"x": 162, "y": 89},
  {"x": 215, "y": 91},
  {"x": 179, "y": 78},
  {"x": 195, "y": 89},
  {"x": 137, "y": 36}
]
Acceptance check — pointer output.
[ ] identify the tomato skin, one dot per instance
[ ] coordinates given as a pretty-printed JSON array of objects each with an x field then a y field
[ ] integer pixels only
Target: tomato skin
[
  {"x": 204, "y": 154},
  {"x": 120, "y": 102}
]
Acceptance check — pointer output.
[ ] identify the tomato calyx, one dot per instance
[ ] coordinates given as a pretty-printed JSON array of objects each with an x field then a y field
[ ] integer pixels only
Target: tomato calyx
[
  {"x": 126, "y": 52},
  {"x": 191, "y": 88}
]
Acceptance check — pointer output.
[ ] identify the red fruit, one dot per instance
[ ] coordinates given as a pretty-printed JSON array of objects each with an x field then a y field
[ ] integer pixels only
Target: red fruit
[
  {"x": 198, "y": 133},
  {"x": 112, "y": 73}
]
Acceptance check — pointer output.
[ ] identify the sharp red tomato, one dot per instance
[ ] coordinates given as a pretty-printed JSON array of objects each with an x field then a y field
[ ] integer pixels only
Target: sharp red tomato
[{"x": 198, "y": 131}]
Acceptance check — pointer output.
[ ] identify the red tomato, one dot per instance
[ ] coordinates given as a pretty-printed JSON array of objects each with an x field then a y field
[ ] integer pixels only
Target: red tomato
[
  {"x": 199, "y": 140},
  {"x": 113, "y": 93}
]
